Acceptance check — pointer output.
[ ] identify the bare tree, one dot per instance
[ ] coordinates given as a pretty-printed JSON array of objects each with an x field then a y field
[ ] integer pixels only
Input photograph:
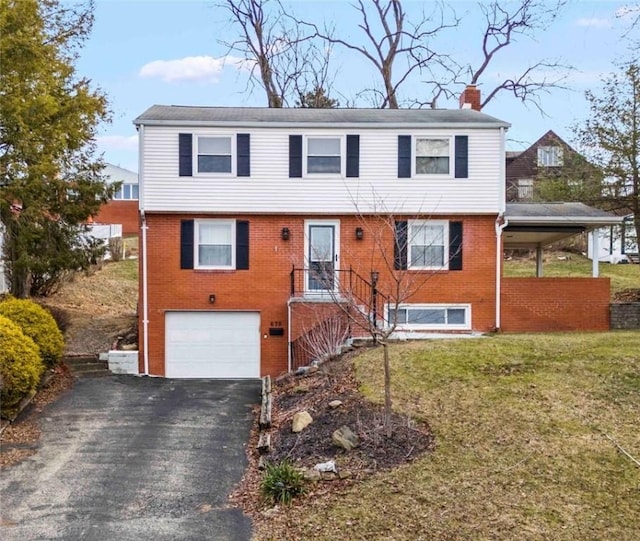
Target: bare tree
[
  {"x": 370, "y": 296},
  {"x": 283, "y": 60},
  {"x": 505, "y": 23},
  {"x": 390, "y": 38}
]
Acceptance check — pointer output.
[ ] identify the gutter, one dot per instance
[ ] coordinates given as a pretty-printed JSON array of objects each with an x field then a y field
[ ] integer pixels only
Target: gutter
[{"x": 327, "y": 125}]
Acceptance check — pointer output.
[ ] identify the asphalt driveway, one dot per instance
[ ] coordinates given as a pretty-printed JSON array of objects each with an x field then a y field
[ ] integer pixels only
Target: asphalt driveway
[{"x": 125, "y": 458}]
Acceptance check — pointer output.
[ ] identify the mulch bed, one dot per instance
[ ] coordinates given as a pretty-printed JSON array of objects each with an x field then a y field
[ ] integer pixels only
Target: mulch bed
[{"x": 334, "y": 380}]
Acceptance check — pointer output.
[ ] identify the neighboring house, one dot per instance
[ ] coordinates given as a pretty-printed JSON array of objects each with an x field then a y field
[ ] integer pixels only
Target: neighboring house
[
  {"x": 548, "y": 156},
  {"x": 251, "y": 217},
  {"x": 123, "y": 207}
]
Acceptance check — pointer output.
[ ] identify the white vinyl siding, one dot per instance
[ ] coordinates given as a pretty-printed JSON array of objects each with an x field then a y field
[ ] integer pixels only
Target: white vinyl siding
[
  {"x": 270, "y": 190},
  {"x": 431, "y": 316}
]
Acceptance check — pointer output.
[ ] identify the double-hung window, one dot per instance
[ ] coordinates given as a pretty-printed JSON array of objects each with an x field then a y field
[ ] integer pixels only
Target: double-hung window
[
  {"x": 433, "y": 156},
  {"x": 550, "y": 156},
  {"x": 428, "y": 243},
  {"x": 431, "y": 316},
  {"x": 214, "y": 154},
  {"x": 215, "y": 242},
  {"x": 324, "y": 155}
]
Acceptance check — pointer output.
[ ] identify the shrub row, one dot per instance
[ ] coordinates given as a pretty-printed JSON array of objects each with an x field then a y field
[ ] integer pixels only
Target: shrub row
[{"x": 30, "y": 342}]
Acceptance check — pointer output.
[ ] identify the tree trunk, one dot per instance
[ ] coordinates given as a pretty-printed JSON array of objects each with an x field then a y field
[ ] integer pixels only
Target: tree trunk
[{"x": 387, "y": 391}]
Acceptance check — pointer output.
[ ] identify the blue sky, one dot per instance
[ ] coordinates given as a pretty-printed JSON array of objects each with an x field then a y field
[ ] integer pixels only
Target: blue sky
[{"x": 147, "y": 52}]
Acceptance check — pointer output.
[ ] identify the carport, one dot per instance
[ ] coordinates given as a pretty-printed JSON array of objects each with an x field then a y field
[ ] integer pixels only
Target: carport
[
  {"x": 540, "y": 304},
  {"x": 537, "y": 225}
]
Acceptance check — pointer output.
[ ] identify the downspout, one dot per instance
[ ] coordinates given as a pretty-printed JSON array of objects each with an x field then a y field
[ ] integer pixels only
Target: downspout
[
  {"x": 501, "y": 223},
  {"x": 145, "y": 296},
  {"x": 145, "y": 275},
  {"x": 289, "y": 359}
]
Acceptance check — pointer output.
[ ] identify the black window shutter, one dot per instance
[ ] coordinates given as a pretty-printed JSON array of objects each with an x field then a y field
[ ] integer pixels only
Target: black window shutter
[
  {"x": 353, "y": 155},
  {"x": 243, "y": 159},
  {"x": 295, "y": 156},
  {"x": 404, "y": 156},
  {"x": 455, "y": 246},
  {"x": 242, "y": 245},
  {"x": 401, "y": 245},
  {"x": 186, "y": 244},
  {"x": 185, "y": 154},
  {"x": 462, "y": 156}
]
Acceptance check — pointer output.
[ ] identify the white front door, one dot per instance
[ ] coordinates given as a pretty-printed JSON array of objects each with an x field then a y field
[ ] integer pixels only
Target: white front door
[{"x": 322, "y": 255}]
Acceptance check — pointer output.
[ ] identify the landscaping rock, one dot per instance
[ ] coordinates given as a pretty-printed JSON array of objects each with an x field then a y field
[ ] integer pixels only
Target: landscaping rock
[
  {"x": 301, "y": 420},
  {"x": 345, "y": 437},
  {"x": 328, "y": 476},
  {"x": 326, "y": 466},
  {"x": 335, "y": 404},
  {"x": 312, "y": 475},
  {"x": 344, "y": 474}
]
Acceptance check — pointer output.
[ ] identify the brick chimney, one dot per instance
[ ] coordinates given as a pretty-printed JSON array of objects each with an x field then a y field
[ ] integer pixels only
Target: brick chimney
[{"x": 470, "y": 98}]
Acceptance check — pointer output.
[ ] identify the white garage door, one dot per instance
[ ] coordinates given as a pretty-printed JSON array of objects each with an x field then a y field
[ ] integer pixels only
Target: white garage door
[{"x": 212, "y": 345}]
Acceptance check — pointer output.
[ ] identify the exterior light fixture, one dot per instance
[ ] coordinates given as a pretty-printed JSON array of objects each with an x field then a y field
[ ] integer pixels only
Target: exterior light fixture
[
  {"x": 359, "y": 233},
  {"x": 284, "y": 234},
  {"x": 212, "y": 298}
]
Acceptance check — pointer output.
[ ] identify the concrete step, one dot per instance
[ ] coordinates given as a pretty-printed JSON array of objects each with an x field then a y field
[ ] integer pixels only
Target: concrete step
[{"x": 87, "y": 366}]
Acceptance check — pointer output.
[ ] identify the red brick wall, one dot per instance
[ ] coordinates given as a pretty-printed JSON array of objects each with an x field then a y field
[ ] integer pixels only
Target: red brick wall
[
  {"x": 265, "y": 287},
  {"x": 120, "y": 212},
  {"x": 555, "y": 304}
]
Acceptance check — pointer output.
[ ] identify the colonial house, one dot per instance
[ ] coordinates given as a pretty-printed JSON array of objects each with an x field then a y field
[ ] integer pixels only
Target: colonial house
[
  {"x": 550, "y": 157},
  {"x": 255, "y": 222}
]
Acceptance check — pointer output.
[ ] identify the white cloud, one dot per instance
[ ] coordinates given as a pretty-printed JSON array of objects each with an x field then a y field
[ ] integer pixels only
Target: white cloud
[
  {"x": 594, "y": 22},
  {"x": 118, "y": 142},
  {"x": 190, "y": 68}
]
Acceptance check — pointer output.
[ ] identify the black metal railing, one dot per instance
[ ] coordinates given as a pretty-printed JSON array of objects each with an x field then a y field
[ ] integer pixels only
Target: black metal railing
[{"x": 343, "y": 286}]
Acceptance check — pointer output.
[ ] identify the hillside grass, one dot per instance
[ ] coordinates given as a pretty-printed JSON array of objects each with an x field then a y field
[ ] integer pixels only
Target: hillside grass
[
  {"x": 522, "y": 426},
  {"x": 622, "y": 276}
]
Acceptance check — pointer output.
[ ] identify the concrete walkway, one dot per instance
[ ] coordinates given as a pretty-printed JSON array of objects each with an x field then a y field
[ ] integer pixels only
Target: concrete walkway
[{"x": 126, "y": 458}]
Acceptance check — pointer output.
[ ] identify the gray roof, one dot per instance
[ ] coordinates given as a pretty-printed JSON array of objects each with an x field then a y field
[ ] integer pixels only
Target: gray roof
[
  {"x": 177, "y": 115},
  {"x": 558, "y": 212}
]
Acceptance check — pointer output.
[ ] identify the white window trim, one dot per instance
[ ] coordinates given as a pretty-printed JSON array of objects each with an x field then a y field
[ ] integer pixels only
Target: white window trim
[
  {"x": 466, "y": 326},
  {"x": 196, "y": 244},
  {"x": 233, "y": 155},
  {"x": 343, "y": 155},
  {"x": 445, "y": 227},
  {"x": 414, "y": 157}
]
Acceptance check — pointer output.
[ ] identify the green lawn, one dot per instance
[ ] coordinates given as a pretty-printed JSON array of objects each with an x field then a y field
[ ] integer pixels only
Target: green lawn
[
  {"x": 521, "y": 425},
  {"x": 622, "y": 276}
]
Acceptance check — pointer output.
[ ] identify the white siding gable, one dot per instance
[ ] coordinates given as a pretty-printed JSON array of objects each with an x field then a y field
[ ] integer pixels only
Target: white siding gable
[{"x": 270, "y": 190}]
